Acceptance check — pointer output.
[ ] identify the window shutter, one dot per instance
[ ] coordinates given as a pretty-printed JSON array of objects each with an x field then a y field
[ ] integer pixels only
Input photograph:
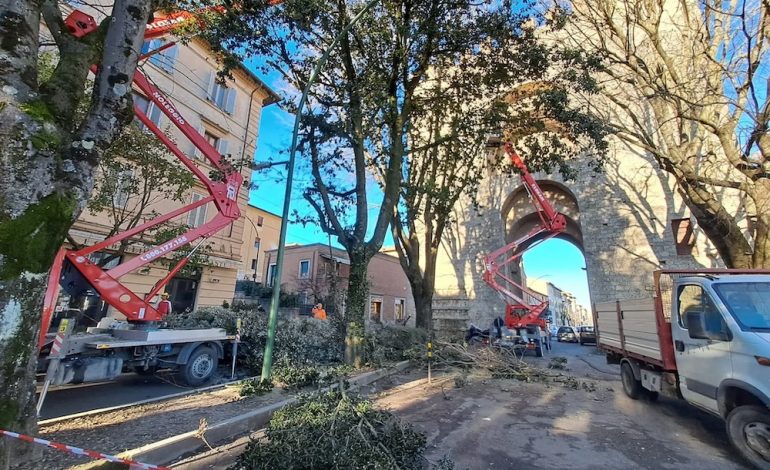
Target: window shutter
[
  {"x": 210, "y": 84},
  {"x": 169, "y": 58},
  {"x": 196, "y": 152},
  {"x": 223, "y": 146},
  {"x": 230, "y": 102},
  {"x": 201, "y": 216},
  {"x": 154, "y": 113}
]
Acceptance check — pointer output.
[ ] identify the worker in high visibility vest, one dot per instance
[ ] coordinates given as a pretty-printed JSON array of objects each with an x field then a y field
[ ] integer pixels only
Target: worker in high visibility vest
[{"x": 319, "y": 312}]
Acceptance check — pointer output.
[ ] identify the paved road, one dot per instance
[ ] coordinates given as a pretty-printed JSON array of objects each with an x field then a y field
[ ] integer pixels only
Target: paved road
[
  {"x": 128, "y": 388},
  {"x": 510, "y": 424}
]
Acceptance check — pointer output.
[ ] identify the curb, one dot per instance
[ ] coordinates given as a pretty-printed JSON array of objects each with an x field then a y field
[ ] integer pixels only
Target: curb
[
  {"x": 169, "y": 449},
  {"x": 195, "y": 391}
]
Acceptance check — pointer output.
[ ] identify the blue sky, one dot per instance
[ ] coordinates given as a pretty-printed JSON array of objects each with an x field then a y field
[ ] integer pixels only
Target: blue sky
[
  {"x": 560, "y": 263},
  {"x": 555, "y": 261}
]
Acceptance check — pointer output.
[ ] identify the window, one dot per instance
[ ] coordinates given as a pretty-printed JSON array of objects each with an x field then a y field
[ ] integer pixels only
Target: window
[
  {"x": 220, "y": 144},
  {"x": 693, "y": 298},
  {"x": 684, "y": 236},
  {"x": 123, "y": 183},
  {"x": 375, "y": 309},
  {"x": 271, "y": 274},
  {"x": 223, "y": 97},
  {"x": 260, "y": 221},
  {"x": 148, "y": 108},
  {"x": 304, "y": 269},
  {"x": 211, "y": 138},
  {"x": 400, "y": 309},
  {"x": 197, "y": 215},
  {"x": 164, "y": 59}
]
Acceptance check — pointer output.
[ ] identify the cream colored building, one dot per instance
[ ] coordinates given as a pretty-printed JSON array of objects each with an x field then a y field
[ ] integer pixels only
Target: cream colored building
[
  {"x": 228, "y": 116},
  {"x": 261, "y": 232}
]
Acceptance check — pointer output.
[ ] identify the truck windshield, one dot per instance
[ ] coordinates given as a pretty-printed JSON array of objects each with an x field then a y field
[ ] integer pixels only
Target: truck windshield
[{"x": 748, "y": 302}]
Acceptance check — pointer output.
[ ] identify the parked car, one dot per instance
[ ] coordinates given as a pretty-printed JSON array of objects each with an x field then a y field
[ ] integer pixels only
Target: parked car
[
  {"x": 568, "y": 334},
  {"x": 586, "y": 334}
]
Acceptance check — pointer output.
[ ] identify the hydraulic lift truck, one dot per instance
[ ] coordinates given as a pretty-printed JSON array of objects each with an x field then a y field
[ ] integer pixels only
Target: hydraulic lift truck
[
  {"x": 102, "y": 352},
  {"x": 526, "y": 320}
]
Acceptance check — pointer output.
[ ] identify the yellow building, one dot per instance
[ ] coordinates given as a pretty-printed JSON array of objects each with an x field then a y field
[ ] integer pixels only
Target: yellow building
[
  {"x": 228, "y": 116},
  {"x": 260, "y": 234}
]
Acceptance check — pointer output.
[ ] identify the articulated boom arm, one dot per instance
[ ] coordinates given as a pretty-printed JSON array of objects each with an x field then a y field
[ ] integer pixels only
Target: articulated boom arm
[
  {"x": 552, "y": 223},
  {"x": 73, "y": 269}
]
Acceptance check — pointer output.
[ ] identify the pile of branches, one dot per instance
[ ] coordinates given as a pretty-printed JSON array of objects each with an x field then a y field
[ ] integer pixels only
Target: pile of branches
[
  {"x": 500, "y": 362},
  {"x": 334, "y": 430},
  {"x": 297, "y": 340}
]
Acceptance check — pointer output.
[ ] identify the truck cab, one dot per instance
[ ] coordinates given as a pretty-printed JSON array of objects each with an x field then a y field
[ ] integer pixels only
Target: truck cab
[
  {"x": 705, "y": 340},
  {"x": 720, "y": 326}
]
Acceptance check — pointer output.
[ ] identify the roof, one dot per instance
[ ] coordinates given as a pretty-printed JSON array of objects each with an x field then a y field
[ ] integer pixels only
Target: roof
[
  {"x": 325, "y": 246},
  {"x": 264, "y": 210}
]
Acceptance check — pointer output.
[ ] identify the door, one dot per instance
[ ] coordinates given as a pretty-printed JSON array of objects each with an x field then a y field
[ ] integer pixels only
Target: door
[
  {"x": 182, "y": 293},
  {"x": 702, "y": 363},
  {"x": 375, "y": 309}
]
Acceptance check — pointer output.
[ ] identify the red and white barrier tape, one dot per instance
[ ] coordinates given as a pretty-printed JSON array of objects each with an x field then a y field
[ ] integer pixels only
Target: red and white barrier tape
[{"x": 78, "y": 451}]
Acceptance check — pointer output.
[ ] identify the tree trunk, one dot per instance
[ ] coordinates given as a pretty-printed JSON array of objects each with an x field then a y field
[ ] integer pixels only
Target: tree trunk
[
  {"x": 761, "y": 198},
  {"x": 47, "y": 174},
  {"x": 20, "y": 307},
  {"x": 423, "y": 304},
  {"x": 719, "y": 225},
  {"x": 761, "y": 258},
  {"x": 356, "y": 306}
]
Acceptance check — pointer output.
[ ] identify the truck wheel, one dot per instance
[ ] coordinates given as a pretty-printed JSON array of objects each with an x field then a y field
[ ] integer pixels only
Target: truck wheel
[
  {"x": 631, "y": 386},
  {"x": 748, "y": 428},
  {"x": 200, "y": 366}
]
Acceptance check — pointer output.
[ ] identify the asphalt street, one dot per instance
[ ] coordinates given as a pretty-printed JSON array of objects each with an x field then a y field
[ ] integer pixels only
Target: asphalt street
[{"x": 128, "y": 388}]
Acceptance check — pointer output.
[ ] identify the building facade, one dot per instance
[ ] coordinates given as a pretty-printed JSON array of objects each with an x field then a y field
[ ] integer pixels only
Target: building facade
[
  {"x": 318, "y": 273},
  {"x": 260, "y": 235},
  {"x": 227, "y": 115}
]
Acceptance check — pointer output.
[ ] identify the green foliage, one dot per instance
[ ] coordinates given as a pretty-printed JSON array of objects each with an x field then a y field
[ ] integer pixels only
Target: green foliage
[
  {"x": 298, "y": 341},
  {"x": 295, "y": 376},
  {"x": 136, "y": 173},
  {"x": 394, "y": 343},
  {"x": 195, "y": 262},
  {"x": 334, "y": 431},
  {"x": 256, "y": 387}
]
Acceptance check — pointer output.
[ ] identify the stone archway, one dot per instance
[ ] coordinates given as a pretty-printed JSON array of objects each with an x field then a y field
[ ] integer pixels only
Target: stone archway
[{"x": 519, "y": 217}]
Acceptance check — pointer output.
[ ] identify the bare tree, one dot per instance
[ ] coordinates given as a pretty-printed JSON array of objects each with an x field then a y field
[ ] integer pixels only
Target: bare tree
[
  {"x": 520, "y": 90},
  {"x": 688, "y": 82}
]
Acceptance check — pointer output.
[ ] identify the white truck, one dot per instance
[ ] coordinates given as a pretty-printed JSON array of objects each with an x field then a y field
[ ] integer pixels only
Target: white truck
[{"x": 703, "y": 337}]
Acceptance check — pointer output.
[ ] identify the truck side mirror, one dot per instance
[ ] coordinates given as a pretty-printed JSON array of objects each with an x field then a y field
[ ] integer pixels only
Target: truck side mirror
[{"x": 695, "y": 325}]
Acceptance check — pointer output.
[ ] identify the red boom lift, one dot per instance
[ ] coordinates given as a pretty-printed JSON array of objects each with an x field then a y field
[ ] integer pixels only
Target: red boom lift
[
  {"x": 103, "y": 352},
  {"x": 520, "y": 313},
  {"x": 73, "y": 269}
]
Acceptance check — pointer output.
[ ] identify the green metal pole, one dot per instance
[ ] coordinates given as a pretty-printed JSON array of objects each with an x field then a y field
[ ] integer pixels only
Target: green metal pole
[{"x": 267, "y": 364}]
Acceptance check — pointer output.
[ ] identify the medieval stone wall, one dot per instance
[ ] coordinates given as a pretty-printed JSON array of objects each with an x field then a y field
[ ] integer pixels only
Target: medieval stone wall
[{"x": 621, "y": 218}]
